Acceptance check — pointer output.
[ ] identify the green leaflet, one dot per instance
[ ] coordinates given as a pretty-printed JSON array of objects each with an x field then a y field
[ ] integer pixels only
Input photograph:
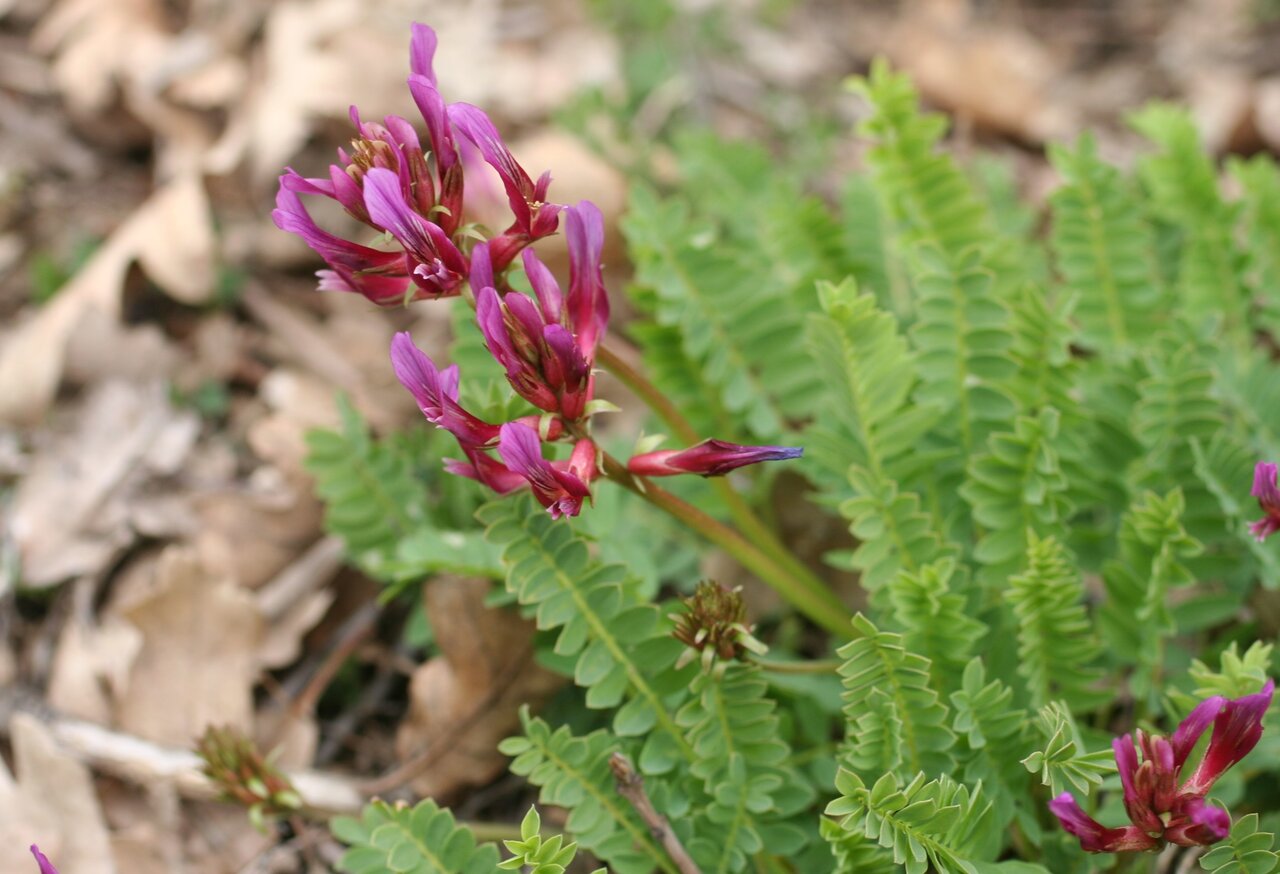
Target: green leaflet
[
  {"x": 539, "y": 856},
  {"x": 896, "y": 722},
  {"x": 930, "y": 608},
  {"x": 1105, "y": 251},
  {"x": 991, "y": 726},
  {"x": 1176, "y": 407},
  {"x": 932, "y": 825},
  {"x": 376, "y": 502},
  {"x": 744, "y": 334},
  {"x": 1259, "y": 180},
  {"x": 927, "y": 194},
  {"x": 1057, "y": 647},
  {"x": 1016, "y": 490},
  {"x": 573, "y": 772},
  {"x": 423, "y": 839},
  {"x": 733, "y": 727},
  {"x": 855, "y": 853},
  {"x": 1062, "y": 763},
  {"x": 1184, "y": 190},
  {"x": 867, "y": 417},
  {"x": 1247, "y": 850},
  {"x": 895, "y": 534},
  {"x": 1153, "y": 547},
  {"x": 623, "y": 647}
]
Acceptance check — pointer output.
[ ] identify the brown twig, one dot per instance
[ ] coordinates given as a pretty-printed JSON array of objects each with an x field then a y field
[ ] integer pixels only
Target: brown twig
[
  {"x": 631, "y": 787},
  {"x": 142, "y": 762}
]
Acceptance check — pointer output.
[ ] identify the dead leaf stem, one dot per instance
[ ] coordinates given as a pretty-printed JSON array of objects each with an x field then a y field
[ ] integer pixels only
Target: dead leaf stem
[{"x": 631, "y": 787}]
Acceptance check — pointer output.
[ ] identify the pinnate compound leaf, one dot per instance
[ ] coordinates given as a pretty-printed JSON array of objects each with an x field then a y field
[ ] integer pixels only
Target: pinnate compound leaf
[
  {"x": 896, "y": 721},
  {"x": 423, "y": 839}
]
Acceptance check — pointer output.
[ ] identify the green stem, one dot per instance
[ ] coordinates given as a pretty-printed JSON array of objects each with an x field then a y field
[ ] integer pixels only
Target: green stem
[
  {"x": 808, "y": 596},
  {"x": 739, "y": 510},
  {"x": 821, "y": 666}
]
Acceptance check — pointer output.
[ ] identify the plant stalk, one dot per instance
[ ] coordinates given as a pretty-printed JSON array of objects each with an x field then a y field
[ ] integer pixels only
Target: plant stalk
[
  {"x": 743, "y": 516},
  {"x": 815, "y": 601}
]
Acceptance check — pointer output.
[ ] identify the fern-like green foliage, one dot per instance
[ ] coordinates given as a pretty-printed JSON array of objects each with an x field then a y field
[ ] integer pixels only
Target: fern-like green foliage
[
  {"x": 868, "y": 419},
  {"x": 1105, "y": 250},
  {"x": 743, "y": 334},
  {"x": 932, "y": 611},
  {"x": 733, "y": 728},
  {"x": 1062, "y": 763},
  {"x": 896, "y": 721},
  {"x": 622, "y": 645},
  {"x": 927, "y": 194},
  {"x": 1247, "y": 850},
  {"x": 423, "y": 839},
  {"x": 1153, "y": 549},
  {"x": 1176, "y": 408},
  {"x": 855, "y": 853},
  {"x": 1184, "y": 190},
  {"x": 371, "y": 496},
  {"x": 928, "y": 825},
  {"x": 376, "y": 501},
  {"x": 1259, "y": 180},
  {"x": 962, "y": 334},
  {"x": 894, "y": 532},
  {"x": 1016, "y": 490},
  {"x": 573, "y": 773},
  {"x": 1057, "y": 647},
  {"x": 867, "y": 245},
  {"x": 537, "y": 856},
  {"x": 991, "y": 726}
]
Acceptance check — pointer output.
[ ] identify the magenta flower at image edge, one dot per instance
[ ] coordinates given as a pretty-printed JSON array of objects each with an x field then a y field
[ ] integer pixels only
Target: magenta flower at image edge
[
  {"x": 46, "y": 867},
  {"x": 1158, "y": 807},
  {"x": 1268, "y": 495}
]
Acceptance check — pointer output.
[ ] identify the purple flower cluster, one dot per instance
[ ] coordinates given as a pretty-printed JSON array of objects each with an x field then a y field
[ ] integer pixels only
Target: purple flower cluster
[
  {"x": 1163, "y": 804},
  {"x": 546, "y": 343}
]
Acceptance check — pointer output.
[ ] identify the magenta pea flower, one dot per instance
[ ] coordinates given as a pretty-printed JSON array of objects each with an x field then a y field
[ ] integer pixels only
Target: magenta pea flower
[
  {"x": 1163, "y": 804},
  {"x": 558, "y": 486},
  {"x": 547, "y": 347},
  {"x": 534, "y": 216},
  {"x": 1264, "y": 489},
  {"x": 46, "y": 867},
  {"x": 708, "y": 458},
  {"x": 436, "y": 392},
  {"x": 389, "y": 181}
]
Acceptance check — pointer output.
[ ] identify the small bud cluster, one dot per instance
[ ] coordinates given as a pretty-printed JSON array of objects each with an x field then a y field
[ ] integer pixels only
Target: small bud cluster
[
  {"x": 714, "y": 626},
  {"x": 244, "y": 776}
]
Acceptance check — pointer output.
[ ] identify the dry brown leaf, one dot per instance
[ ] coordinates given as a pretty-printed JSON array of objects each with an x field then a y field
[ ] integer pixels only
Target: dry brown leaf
[
  {"x": 51, "y": 803},
  {"x": 71, "y": 513},
  {"x": 91, "y": 666},
  {"x": 251, "y": 534},
  {"x": 997, "y": 77},
  {"x": 100, "y": 44},
  {"x": 170, "y": 235},
  {"x": 462, "y": 703},
  {"x": 198, "y": 664}
]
